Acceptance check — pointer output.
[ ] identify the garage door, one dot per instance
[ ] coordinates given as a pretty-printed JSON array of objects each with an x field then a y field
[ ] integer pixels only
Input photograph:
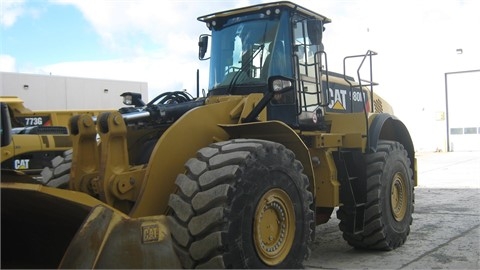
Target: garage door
[{"x": 463, "y": 91}]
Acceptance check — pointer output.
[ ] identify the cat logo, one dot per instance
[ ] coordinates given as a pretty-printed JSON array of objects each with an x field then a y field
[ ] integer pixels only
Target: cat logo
[
  {"x": 21, "y": 164},
  {"x": 338, "y": 106},
  {"x": 337, "y": 99}
]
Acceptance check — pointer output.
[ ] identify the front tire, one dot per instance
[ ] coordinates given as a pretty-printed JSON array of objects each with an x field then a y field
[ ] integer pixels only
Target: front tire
[
  {"x": 242, "y": 204},
  {"x": 390, "y": 200}
]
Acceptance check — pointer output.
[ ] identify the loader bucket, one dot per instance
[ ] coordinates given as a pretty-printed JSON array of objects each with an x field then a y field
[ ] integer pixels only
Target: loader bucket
[{"x": 52, "y": 228}]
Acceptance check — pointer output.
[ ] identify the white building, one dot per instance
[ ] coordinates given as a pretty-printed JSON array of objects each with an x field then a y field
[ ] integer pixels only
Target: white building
[{"x": 44, "y": 92}]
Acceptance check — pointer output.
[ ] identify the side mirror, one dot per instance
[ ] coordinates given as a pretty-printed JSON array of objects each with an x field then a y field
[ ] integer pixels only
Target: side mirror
[
  {"x": 202, "y": 46},
  {"x": 276, "y": 85},
  {"x": 315, "y": 31}
]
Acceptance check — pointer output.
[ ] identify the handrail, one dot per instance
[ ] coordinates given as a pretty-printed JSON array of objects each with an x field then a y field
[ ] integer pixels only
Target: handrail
[{"x": 368, "y": 54}]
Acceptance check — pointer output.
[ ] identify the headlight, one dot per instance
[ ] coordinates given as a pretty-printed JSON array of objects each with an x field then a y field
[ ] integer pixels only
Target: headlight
[
  {"x": 127, "y": 100},
  {"x": 280, "y": 85}
]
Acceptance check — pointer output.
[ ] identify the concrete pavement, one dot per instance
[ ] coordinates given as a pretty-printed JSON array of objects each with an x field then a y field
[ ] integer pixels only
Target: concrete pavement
[{"x": 445, "y": 233}]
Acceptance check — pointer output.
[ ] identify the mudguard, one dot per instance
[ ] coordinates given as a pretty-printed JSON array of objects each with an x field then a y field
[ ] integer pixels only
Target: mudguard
[{"x": 385, "y": 126}]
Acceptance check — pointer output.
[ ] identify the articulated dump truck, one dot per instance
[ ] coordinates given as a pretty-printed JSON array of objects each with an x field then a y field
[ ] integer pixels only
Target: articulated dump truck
[{"x": 238, "y": 178}]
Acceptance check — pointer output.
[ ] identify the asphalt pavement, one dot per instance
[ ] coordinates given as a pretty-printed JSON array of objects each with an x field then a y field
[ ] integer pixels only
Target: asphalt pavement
[{"x": 445, "y": 233}]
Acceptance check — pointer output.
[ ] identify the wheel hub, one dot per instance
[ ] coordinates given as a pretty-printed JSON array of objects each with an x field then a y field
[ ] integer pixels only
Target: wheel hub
[
  {"x": 274, "y": 226},
  {"x": 399, "y": 197}
]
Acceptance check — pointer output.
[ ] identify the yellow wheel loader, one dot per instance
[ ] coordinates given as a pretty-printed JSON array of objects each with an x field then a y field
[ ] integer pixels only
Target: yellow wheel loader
[
  {"x": 239, "y": 178},
  {"x": 37, "y": 136}
]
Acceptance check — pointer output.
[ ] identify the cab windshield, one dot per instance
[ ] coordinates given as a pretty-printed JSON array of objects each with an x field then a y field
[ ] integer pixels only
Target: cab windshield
[{"x": 247, "y": 50}]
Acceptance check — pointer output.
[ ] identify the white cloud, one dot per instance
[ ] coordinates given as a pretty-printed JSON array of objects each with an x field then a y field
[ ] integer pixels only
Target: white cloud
[
  {"x": 171, "y": 26},
  {"x": 122, "y": 23},
  {"x": 162, "y": 73},
  {"x": 7, "y": 63},
  {"x": 10, "y": 10}
]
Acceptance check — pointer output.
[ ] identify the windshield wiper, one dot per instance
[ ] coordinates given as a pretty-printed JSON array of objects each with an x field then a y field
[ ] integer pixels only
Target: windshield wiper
[{"x": 237, "y": 75}]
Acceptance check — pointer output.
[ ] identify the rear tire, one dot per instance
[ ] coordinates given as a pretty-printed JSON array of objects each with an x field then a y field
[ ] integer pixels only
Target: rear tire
[
  {"x": 242, "y": 204},
  {"x": 390, "y": 200}
]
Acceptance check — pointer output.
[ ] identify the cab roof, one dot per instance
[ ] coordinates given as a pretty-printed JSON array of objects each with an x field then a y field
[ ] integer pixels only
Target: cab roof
[{"x": 255, "y": 8}]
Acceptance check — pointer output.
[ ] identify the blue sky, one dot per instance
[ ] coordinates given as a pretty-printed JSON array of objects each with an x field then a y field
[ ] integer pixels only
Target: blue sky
[
  {"x": 52, "y": 33},
  {"x": 126, "y": 40},
  {"x": 156, "y": 42},
  {"x": 48, "y": 32}
]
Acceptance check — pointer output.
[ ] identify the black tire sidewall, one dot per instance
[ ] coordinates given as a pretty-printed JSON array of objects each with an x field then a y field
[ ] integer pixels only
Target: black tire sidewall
[
  {"x": 260, "y": 177},
  {"x": 223, "y": 187},
  {"x": 396, "y": 163}
]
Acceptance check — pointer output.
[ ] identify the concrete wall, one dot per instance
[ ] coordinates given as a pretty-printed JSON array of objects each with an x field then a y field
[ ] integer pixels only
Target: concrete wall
[{"x": 44, "y": 92}]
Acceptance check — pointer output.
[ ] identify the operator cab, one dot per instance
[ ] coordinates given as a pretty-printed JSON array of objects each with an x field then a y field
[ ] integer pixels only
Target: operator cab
[{"x": 250, "y": 45}]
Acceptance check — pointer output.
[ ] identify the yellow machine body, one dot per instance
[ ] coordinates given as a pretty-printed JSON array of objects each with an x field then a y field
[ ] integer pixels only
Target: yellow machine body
[
  {"x": 129, "y": 171},
  {"x": 37, "y": 136}
]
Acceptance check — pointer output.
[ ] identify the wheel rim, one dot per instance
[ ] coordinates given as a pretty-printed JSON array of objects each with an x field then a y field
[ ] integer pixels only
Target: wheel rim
[
  {"x": 399, "y": 197},
  {"x": 274, "y": 226}
]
